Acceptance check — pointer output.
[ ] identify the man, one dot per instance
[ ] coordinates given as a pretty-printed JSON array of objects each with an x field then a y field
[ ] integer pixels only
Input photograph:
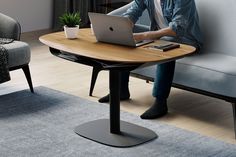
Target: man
[{"x": 174, "y": 20}]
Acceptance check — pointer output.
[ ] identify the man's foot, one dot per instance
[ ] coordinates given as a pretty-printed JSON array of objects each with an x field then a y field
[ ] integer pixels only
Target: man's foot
[
  {"x": 156, "y": 111},
  {"x": 107, "y": 97},
  {"x": 104, "y": 99}
]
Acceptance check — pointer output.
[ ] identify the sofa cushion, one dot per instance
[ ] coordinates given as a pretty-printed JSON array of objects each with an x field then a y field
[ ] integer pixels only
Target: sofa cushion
[
  {"x": 19, "y": 53},
  {"x": 215, "y": 73}
]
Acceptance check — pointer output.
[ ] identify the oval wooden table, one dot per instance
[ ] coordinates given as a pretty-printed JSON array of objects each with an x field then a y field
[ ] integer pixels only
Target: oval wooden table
[{"x": 115, "y": 58}]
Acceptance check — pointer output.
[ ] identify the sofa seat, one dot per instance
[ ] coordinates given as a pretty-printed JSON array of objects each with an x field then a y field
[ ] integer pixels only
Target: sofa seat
[
  {"x": 209, "y": 71},
  {"x": 19, "y": 53}
]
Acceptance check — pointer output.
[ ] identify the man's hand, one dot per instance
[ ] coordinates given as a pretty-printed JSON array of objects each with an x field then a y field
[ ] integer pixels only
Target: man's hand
[
  {"x": 154, "y": 35},
  {"x": 140, "y": 36}
]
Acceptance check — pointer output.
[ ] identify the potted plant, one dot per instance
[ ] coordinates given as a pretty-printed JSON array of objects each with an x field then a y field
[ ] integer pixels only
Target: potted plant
[{"x": 71, "y": 22}]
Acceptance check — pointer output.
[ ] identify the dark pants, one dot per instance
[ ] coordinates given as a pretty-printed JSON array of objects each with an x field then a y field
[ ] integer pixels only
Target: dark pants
[{"x": 163, "y": 80}]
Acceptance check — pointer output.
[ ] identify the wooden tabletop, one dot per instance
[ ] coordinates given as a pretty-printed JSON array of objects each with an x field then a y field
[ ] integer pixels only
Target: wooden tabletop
[{"x": 86, "y": 45}]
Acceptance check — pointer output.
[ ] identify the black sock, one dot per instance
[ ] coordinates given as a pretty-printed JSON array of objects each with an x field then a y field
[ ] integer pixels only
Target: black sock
[
  {"x": 104, "y": 99},
  {"x": 157, "y": 110},
  {"x": 123, "y": 96}
]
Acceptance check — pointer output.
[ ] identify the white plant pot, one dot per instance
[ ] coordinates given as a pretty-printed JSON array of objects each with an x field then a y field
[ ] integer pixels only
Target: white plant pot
[{"x": 71, "y": 32}]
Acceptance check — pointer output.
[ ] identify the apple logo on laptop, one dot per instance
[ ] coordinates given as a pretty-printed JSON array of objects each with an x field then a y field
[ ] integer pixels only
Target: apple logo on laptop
[{"x": 111, "y": 29}]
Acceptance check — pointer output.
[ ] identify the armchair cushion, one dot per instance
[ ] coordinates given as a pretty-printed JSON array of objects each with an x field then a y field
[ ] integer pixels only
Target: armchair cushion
[{"x": 18, "y": 53}]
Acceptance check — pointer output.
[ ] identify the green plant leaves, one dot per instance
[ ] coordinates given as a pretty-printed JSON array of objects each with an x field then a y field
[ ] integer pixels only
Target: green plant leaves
[{"x": 70, "y": 19}]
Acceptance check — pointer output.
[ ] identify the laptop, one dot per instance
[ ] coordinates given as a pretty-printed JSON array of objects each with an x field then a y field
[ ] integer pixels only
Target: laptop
[{"x": 114, "y": 29}]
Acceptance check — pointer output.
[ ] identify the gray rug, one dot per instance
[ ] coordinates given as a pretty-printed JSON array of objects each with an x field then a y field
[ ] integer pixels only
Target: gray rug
[{"x": 42, "y": 124}]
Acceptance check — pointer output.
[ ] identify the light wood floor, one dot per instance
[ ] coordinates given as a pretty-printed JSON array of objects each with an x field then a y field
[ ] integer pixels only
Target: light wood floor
[{"x": 194, "y": 112}]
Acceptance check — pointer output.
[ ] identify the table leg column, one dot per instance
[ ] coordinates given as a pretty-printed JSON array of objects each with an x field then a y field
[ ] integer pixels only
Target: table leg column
[{"x": 114, "y": 84}]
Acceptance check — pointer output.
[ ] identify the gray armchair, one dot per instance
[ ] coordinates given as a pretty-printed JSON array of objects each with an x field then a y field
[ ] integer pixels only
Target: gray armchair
[{"x": 18, "y": 51}]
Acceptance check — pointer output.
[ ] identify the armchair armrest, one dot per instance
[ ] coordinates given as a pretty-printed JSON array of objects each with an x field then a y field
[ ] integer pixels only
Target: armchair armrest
[{"x": 9, "y": 28}]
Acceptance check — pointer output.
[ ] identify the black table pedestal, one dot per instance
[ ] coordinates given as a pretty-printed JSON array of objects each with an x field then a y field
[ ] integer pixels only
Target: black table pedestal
[
  {"x": 130, "y": 134},
  {"x": 114, "y": 132}
]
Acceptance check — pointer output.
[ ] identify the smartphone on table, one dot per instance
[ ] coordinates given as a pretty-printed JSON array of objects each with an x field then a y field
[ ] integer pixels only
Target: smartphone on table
[{"x": 164, "y": 47}]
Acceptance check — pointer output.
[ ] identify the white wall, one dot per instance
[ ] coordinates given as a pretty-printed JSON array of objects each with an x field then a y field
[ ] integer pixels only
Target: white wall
[{"x": 31, "y": 14}]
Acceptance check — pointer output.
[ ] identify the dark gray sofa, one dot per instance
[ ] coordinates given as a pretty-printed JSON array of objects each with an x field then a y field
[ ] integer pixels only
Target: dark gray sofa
[{"x": 211, "y": 72}]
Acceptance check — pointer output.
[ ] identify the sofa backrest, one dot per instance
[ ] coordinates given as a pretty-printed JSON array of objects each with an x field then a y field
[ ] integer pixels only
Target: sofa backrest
[{"x": 218, "y": 24}]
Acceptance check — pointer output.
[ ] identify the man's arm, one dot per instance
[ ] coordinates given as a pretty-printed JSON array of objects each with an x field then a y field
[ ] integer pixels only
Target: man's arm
[
  {"x": 182, "y": 14},
  {"x": 135, "y": 11},
  {"x": 154, "y": 34}
]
